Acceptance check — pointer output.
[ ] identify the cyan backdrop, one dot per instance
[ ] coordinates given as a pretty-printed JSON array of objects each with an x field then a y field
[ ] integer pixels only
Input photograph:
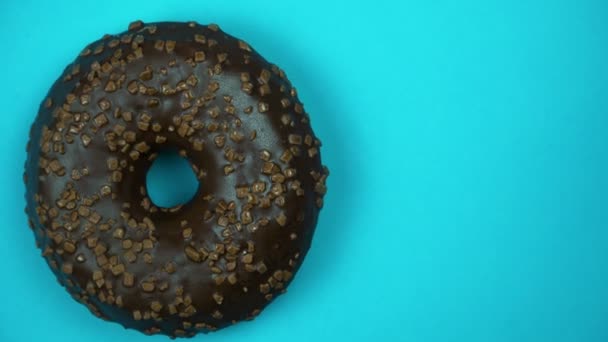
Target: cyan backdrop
[{"x": 467, "y": 142}]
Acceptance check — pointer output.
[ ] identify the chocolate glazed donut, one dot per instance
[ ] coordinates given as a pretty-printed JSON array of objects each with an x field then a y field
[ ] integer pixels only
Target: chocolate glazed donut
[{"x": 214, "y": 261}]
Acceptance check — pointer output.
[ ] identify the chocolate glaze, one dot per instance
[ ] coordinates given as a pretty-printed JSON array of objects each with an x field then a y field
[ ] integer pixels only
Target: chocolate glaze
[{"x": 214, "y": 261}]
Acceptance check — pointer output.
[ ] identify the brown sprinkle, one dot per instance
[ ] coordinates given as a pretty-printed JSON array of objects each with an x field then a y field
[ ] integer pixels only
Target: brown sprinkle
[
  {"x": 199, "y": 56},
  {"x": 147, "y": 286},
  {"x": 218, "y": 298},
  {"x": 170, "y": 46},
  {"x": 263, "y": 107},
  {"x": 69, "y": 247},
  {"x": 199, "y": 38},
  {"x": 136, "y": 25},
  {"x": 244, "y": 46},
  {"x": 247, "y": 258},
  {"x": 281, "y": 219},
  {"x": 100, "y": 120},
  {"x": 67, "y": 268},
  {"x": 193, "y": 254},
  {"x": 128, "y": 279}
]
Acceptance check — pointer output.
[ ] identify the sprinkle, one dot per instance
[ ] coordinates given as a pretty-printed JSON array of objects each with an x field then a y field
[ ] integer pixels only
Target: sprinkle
[
  {"x": 100, "y": 120},
  {"x": 281, "y": 219},
  {"x": 170, "y": 46},
  {"x": 218, "y": 298},
  {"x": 128, "y": 279},
  {"x": 147, "y": 286},
  {"x": 193, "y": 254},
  {"x": 199, "y": 56},
  {"x": 263, "y": 107},
  {"x": 136, "y": 25}
]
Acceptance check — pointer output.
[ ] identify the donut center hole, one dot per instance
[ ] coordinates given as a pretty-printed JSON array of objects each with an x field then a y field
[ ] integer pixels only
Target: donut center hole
[{"x": 170, "y": 181}]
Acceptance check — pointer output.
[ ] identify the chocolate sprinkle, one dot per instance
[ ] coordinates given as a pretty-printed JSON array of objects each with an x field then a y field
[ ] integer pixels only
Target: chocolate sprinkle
[{"x": 209, "y": 263}]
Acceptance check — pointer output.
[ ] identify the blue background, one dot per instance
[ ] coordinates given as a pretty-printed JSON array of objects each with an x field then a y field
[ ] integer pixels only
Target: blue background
[{"x": 467, "y": 140}]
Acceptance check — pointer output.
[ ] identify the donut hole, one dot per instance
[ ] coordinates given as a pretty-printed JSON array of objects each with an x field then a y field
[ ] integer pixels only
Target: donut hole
[{"x": 170, "y": 180}]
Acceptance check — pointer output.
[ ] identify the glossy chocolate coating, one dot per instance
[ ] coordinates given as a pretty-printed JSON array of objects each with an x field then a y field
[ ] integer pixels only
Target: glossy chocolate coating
[{"x": 214, "y": 261}]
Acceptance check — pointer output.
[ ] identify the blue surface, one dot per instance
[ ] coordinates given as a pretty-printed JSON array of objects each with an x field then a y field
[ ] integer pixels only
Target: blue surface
[
  {"x": 170, "y": 181},
  {"x": 467, "y": 141}
]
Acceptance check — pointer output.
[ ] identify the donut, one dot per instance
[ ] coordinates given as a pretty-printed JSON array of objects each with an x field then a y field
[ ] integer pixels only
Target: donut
[{"x": 218, "y": 259}]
